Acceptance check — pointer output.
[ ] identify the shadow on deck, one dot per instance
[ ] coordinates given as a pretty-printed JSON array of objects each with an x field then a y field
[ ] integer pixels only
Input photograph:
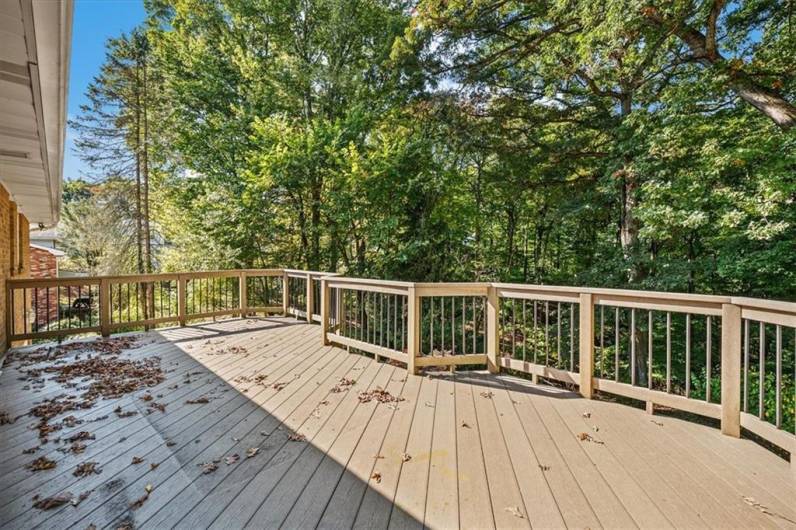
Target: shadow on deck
[{"x": 264, "y": 427}]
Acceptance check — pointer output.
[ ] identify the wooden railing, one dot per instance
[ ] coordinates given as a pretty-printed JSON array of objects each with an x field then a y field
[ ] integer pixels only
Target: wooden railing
[
  {"x": 739, "y": 354},
  {"x": 59, "y": 307},
  {"x": 728, "y": 358}
]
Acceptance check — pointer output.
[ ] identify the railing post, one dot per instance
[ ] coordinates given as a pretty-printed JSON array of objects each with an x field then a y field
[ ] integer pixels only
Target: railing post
[
  {"x": 586, "y": 342},
  {"x": 105, "y": 307},
  {"x": 492, "y": 329},
  {"x": 9, "y": 315},
  {"x": 182, "y": 299},
  {"x": 285, "y": 292},
  {"x": 325, "y": 307},
  {"x": 731, "y": 370},
  {"x": 243, "y": 294},
  {"x": 309, "y": 298},
  {"x": 413, "y": 331}
]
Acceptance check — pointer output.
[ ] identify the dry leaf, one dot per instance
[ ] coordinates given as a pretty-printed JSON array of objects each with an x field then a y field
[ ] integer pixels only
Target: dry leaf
[
  {"x": 198, "y": 401},
  {"x": 296, "y": 437},
  {"x": 586, "y": 437},
  {"x": 40, "y": 464},
  {"x": 251, "y": 451},
  {"x": 208, "y": 467},
  {"x": 86, "y": 468},
  {"x": 137, "y": 460},
  {"x": 515, "y": 511},
  {"x": 148, "y": 488},
  {"x": 405, "y": 457},
  {"x": 587, "y": 414},
  {"x": 55, "y": 501},
  {"x": 465, "y": 425},
  {"x": 377, "y": 477},
  {"x": 487, "y": 394},
  {"x": 544, "y": 467},
  {"x": 153, "y": 466},
  {"x": 231, "y": 459}
]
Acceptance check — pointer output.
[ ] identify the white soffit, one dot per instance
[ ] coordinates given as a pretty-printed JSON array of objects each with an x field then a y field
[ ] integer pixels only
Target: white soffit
[{"x": 35, "y": 42}]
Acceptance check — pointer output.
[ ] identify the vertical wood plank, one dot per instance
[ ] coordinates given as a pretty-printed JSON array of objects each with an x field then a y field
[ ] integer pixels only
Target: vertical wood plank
[
  {"x": 309, "y": 298},
  {"x": 285, "y": 292},
  {"x": 105, "y": 307},
  {"x": 492, "y": 330},
  {"x": 413, "y": 331},
  {"x": 182, "y": 299},
  {"x": 731, "y": 370},
  {"x": 325, "y": 306},
  {"x": 586, "y": 344},
  {"x": 243, "y": 294}
]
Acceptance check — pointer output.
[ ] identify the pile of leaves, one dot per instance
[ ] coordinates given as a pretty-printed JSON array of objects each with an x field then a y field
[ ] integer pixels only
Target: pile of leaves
[
  {"x": 86, "y": 468},
  {"x": 105, "y": 346},
  {"x": 380, "y": 395}
]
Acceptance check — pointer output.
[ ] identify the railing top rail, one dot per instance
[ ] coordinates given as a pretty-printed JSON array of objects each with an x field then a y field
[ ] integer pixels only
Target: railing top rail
[
  {"x": 140, "y": 277},
  {"x": 365, "y": 282},
  {"x": 656, "y": 295},
  {"x": 311, "y": 273},
  {"x": 767, "y": 305}
]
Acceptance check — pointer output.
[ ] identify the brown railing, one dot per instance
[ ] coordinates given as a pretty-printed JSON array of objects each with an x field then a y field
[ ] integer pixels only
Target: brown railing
[{"x": 739, "y": 354}]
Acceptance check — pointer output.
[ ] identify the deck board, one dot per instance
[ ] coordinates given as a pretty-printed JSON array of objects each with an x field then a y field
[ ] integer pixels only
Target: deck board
[{"x": 460, "y": 450}]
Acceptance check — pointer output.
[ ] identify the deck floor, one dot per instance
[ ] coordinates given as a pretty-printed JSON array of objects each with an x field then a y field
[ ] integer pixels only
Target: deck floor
[{"x": 468, "y": 450}]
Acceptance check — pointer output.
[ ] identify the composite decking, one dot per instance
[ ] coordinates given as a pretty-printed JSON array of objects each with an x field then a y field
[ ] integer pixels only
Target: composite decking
[{"x": 467, "y": 450}]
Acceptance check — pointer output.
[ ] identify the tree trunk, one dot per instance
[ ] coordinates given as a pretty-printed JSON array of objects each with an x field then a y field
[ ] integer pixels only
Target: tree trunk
[{"x": 767, "y": 101}]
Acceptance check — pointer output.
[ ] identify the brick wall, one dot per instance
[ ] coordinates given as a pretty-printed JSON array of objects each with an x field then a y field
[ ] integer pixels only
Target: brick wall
[{"x": 14, "y": 259}]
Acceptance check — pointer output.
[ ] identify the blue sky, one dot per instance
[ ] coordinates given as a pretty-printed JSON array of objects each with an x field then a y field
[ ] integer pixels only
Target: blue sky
[{"x": 94, "y": 22}]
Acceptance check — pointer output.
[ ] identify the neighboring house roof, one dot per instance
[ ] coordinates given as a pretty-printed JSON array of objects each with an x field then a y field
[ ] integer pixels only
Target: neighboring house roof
[
  {"x": 55, "y": 252},
  {"x": 51, "y": 234},
  {"x": 35, "y": 47}
]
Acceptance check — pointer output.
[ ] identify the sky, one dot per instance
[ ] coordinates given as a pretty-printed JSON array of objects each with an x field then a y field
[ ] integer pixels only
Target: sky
[{"x": 94, "y": 22}]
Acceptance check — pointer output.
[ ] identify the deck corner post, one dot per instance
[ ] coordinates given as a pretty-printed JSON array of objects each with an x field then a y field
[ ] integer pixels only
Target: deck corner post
[
  {"x": 586, "y": 344},
  {"x": 243, "y": 294},
  {"x": 285, "y": 292},
  {"x": 182, "y": 299},
  {"x": 731, "y": 370},
  {"x": 105, "y": 307},
  {"x": 325, "y": 310},
  {"x": 492, "y": 329},
  {"x": 413, "y": 330},
  {"x": 309, "y": 298}
]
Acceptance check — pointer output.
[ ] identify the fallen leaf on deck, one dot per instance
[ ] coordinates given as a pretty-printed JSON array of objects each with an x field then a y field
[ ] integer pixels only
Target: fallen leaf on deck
[
  {"x": 487, "y": 394},
  {"x": 251, "y": 451},
  {"x": 405, "y": 457},
  {"x": 86, "y": 468},
  {"x": 153, "y": 466},
  {"x": 658, "y": 423},
  {"x": 231, "y": 459},
  {"x": 296, "y": 437},
  {"x": 148, "y": 488},
  {"x": 544, "y": 467},
  {"x": 80, "y": 498},
  {"x": 587, "y": 414},
  {"x": 198, "y": 401},
  {"x": 137, "y": 460},
  {"x": 515, "y": 511},
  {"x": 42, "y": 463},
  {"x": 208, "y": 467},
  {"x": 465, "y": 425},
  {"x": 30, "y": 450},
  {"x": 376, "y": 477},
  {"x": 586, "y": 437},
  {"x": 48, "y": 503},
  {"x": 139, "y": 501}
]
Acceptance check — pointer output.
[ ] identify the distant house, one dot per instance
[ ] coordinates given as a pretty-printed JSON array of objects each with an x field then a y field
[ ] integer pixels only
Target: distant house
[
  {"x": 44, "y": 264},
  {"x": 45, "y": 238}
]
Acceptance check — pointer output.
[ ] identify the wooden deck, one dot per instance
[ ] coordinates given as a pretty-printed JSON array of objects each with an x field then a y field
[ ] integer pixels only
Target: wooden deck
[{"x": 470, "y": 450}]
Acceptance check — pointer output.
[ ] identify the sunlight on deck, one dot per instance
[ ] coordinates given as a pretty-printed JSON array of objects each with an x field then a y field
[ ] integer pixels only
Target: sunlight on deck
[{"x": 256, "y": 424}]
